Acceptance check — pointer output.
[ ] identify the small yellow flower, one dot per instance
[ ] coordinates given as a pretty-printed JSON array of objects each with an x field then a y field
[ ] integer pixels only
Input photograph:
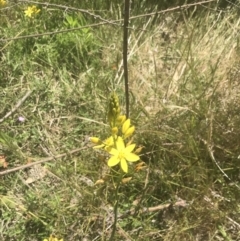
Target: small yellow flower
[
  {"x": 33, "y": 10},
  {"x": 28, "y": 12},
  {"x": 2, "y": 3},
  {"x": 122, "y": 154},
  {"x": 106, "y": 144},
  {"x": 51, "y": 238}
]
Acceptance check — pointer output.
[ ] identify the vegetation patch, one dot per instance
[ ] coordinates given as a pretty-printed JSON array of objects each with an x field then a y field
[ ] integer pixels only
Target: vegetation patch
[{"x": 75, "y": 166}]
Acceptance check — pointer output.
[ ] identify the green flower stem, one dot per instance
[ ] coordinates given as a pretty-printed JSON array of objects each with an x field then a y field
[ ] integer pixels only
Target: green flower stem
[
  {"x": 115, "y": 210},
  {"x": 115, "y": 221},
  {"x": 115, "y": 140}
]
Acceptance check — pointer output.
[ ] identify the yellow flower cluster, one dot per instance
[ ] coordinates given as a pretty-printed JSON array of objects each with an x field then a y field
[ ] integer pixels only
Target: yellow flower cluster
[
  {"x": 31, "y": 11},
  {"x": 51, "y": 238},
  {"x": 120, "y": 153},
  {"x": 3, "y": 3}
]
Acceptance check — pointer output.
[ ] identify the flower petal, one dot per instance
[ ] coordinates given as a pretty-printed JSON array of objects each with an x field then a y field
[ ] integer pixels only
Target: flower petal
[
  {"x": 120, "y": 144},
  {"x": 131, "y": 157},
  {"x": 113, "y": 161},
  {"x": 124, "y": 165},
  {"x": 125, "y": 126},
  {"x": 129, "y": 148},
  {"x": 113, "y": 151}
]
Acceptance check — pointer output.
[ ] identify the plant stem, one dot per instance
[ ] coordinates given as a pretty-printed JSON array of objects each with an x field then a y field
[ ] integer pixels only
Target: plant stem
[{"x": 115, "y": 211}]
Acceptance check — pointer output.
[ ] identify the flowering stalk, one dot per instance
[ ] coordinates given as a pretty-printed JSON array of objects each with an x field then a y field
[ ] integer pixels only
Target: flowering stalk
[
  {"x": 118, "y": 149},
  {"x": 120, "y": 152}
]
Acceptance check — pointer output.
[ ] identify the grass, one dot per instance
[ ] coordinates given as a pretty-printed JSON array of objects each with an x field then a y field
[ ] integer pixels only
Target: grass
[{"x": 184, "y": 92}]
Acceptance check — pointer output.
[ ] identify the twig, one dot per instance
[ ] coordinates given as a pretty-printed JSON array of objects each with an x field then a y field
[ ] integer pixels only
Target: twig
[
  {"x": 209, "y": 148},
  {"x": 19, "y": 103},
  {"x": 234, "y": 222},
  {"x": 51, "y": 158},
  {"x": 125, "y": 52},
  {"x": 180, "y": 203}
]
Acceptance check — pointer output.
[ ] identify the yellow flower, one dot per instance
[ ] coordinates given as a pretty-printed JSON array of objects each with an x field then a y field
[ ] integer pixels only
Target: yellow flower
[
  {"x": 122, "y": 154},
  {"x": 28, "y": 12},
  {"x": 2, "y": 3},
  {"x": 126, "y": 129},
  {"x": 51, "y": 238},
  {"x": 106, "y": 144},
  {"x": 31, "y": 11}
]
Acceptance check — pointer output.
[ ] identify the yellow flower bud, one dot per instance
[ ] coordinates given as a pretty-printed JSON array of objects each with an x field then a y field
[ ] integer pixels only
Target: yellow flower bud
[
  {"x": 114, "y": 130},
  {"x": 139, "y": 149},
  {"x": 126, "y": 179},
  {"x": 125, "y": 126},
  {"x": 129, "y": 132},
  {"x": 100, "y": 181},
  {"x": 129, "y": 142},
  {"x": 95, "y": 140},
  {"x": 140, "y": 166},
  {"x": 121, "y": 119},
  {"x": 113, "y": 109}
]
